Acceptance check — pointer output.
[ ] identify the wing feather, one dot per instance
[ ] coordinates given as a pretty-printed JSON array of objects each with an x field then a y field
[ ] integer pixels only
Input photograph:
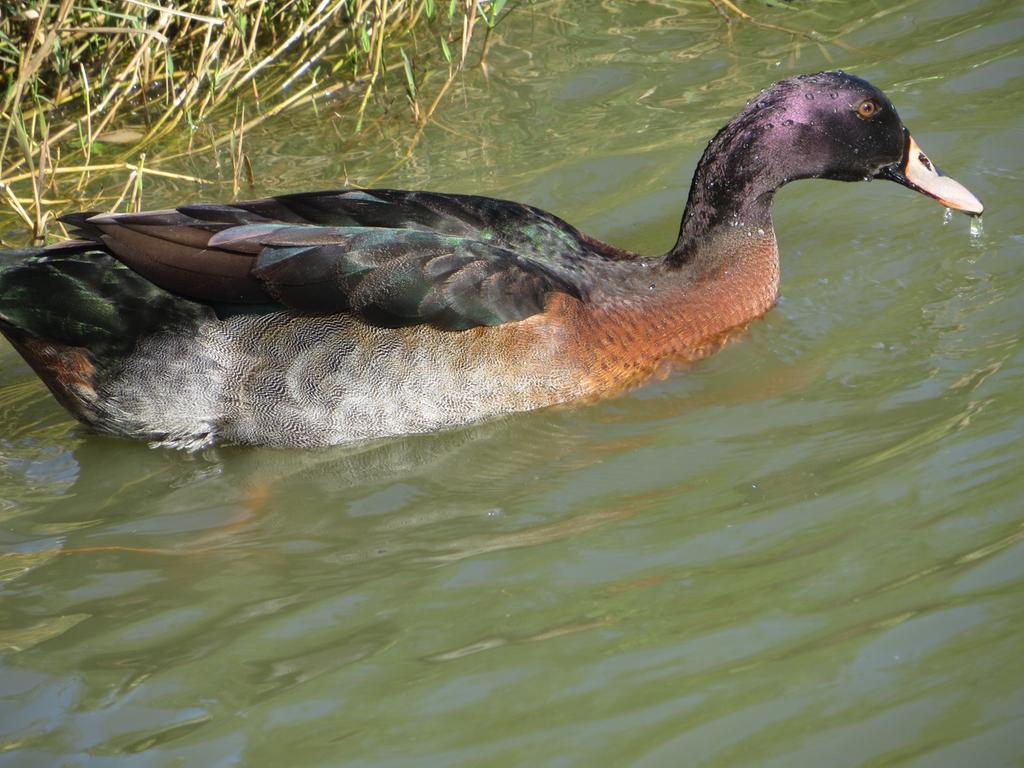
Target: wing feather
[{"x": 394, "y": 257}]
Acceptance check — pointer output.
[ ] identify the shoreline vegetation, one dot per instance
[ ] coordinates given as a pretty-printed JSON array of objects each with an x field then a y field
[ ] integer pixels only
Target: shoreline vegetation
[
  {"x": 91, "y": 86},
  {"x": 76, "y": 70}
]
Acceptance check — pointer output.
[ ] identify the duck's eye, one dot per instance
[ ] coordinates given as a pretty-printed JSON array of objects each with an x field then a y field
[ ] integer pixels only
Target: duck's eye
[{"x": 867, "y": 108}]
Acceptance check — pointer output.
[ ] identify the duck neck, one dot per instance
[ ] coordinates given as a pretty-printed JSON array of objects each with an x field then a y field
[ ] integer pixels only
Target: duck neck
[
  {"x": 732, "y": 280},
  {"x": 713, "y": 240},
  {"x": 682, "y": 314},
  {"x": 726, "y": 260},
  {"x": 724, "y": 268},
  {"x": 732, "y": 191}
]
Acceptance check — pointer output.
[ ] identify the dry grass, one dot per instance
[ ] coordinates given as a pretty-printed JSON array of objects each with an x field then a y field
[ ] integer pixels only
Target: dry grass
[{"x": 78, "y": 68}]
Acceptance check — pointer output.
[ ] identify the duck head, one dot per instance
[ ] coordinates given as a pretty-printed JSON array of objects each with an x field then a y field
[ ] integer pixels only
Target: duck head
[{"x": 829, "y": 125}]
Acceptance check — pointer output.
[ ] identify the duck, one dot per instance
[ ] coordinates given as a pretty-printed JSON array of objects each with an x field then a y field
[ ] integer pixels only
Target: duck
[{"x": 313, "y": 319}]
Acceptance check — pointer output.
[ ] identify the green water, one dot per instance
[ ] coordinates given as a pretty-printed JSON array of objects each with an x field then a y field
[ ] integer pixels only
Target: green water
[{"x": 805, "y": 551}]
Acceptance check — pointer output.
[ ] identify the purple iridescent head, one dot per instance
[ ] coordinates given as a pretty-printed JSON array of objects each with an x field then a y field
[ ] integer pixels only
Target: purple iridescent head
[{"x": 828, "y": 125}]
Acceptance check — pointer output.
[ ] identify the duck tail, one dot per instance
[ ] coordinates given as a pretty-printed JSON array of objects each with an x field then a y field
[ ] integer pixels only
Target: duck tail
[
  {"x": 60, "y": 295},
  {"x": 77, "y": 294},
  {"x": 73, "y": 311}
]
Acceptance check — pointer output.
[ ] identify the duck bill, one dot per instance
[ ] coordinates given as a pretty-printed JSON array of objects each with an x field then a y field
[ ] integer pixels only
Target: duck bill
[{"x": 917, "y": 172}]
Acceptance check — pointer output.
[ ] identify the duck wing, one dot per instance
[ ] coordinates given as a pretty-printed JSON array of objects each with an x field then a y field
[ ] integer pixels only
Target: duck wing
[{"x": 393, "y": 257}]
